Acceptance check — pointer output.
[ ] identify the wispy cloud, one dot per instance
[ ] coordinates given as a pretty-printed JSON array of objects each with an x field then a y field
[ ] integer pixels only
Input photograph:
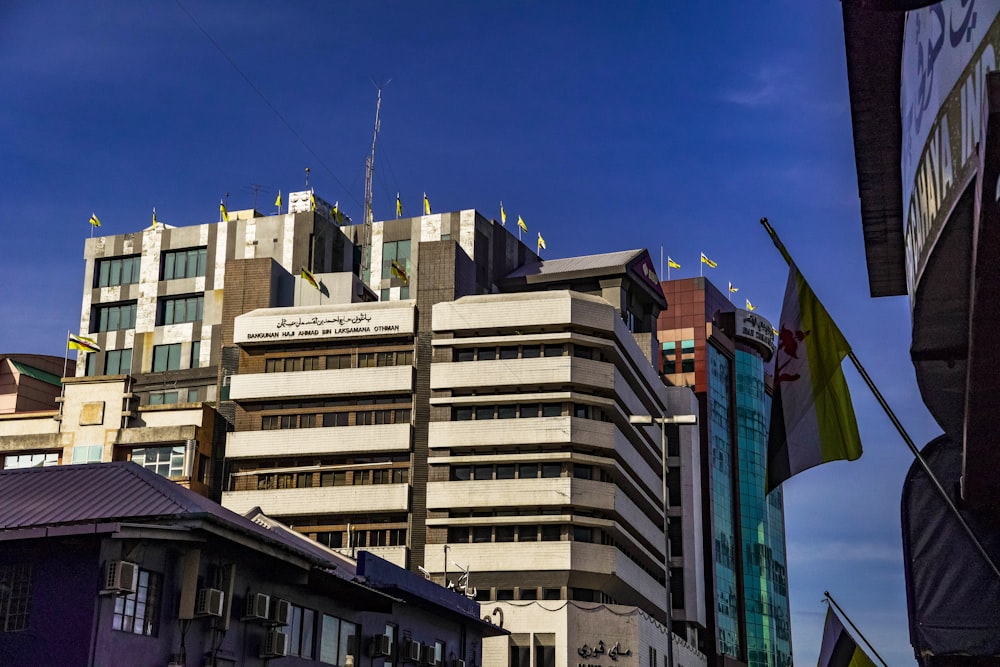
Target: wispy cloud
[{"x": 770, "y": 85}]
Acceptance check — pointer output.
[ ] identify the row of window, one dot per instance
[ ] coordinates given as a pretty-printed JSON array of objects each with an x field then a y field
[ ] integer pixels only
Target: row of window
[
  {"x": 167, "y": 357},
  {"x": 186, "y": 263},
  {"x": 525, "y": 471},
  {"x": 528, "y": 411},
  {"x": 344, "y": 539},
  {"x": 339, "y": 361},
  {"x": 307, "y": 480},
  {"x": 15, "y": 596},
  {"x": 170, "y": 310},
  {"x": 341, "y": 418},
  {"x": 526, "y": 352}
]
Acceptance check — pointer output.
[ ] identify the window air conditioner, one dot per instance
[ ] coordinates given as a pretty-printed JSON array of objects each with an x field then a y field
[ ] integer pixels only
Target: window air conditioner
[
  {"x": 427, "y": 655},
  {"x": 210, "y": 602},
  {"x": 458, "y": 662},
  {"x": 381, "y": 646},
  {"x": 258, "y": 605},
  {"x": 411, "y": 652},
  {"x": 280, "y": 612},
  {"x": 275, "y": 645},
  {"x": 120, "y": 577}
]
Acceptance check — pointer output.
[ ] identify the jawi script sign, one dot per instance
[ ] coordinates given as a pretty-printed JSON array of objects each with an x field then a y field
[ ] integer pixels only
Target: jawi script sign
[{"x": 300, "y": 324}]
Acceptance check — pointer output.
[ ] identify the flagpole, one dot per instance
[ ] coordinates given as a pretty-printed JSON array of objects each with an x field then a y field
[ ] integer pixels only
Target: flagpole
[
  {"x": 899, "y": 426},
  {"x": 851, "y": 623},
  {"x": 661, "y": 262},
  {"x": 923, "y": 462}
]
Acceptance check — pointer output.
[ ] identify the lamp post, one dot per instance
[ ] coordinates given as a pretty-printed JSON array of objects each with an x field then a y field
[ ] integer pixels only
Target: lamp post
[{"x": 663, "y": 420}]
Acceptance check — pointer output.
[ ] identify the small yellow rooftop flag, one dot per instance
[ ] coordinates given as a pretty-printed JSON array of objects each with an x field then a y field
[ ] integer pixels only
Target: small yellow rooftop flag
[
  {"x": 427, "y": 205},
  {"x": 706, "y": 260},
  {"x": 732, "y": 288},
  {"x": 277, "y": 202},
  {"x": 521, "y": 224},
  {"x": 672, "y": 264},
  {"x": 503, "y": 215},
  {"x": 399, "y": 206},
  {"x": 541, "y": 242},
  {"x": 223, "y": 211},
  {"x": 94, "y": 221},
  {"x": 82, "y": 343},
  {"x": 155, "y": 221},
  {"x": 309, "y": 277},
  {"x": 750, "y": 306}
]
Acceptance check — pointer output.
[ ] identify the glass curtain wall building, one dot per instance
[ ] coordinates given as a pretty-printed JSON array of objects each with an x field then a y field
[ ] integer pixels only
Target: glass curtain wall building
[{"x": 723, "y": 353}]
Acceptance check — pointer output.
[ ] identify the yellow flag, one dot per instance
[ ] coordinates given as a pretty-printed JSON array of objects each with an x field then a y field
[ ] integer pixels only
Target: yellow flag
[
  {"x": 94, "y": 221},
  {"x": 277, "y": 202},
  {"x": 338, "y": 217},
  {"x": 309, "y": 277},
  {"x": 82, "y": 343},
  {"x": 223, "y": 211},
  {"x": 672, "y": 264},
  {"x": 734, "y": 289},
  {"x": 312, "y": 201},
  {"x": 155, "y": 221},
  {"x": 398, "y": 271},
  {"x": 750, "y": 306},
  {"x": 427, "y": 205},
  {"x": 520, "y": 223},
  {"x": 399, "y": 206},
  {"x": 503, "y": 215},
  {"x": 541, "y": 241},
  {"x": 706, "y": 260}
]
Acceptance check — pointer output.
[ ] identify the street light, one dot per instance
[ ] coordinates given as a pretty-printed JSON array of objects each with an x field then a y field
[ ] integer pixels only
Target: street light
[{"x": 663, "y": 420}]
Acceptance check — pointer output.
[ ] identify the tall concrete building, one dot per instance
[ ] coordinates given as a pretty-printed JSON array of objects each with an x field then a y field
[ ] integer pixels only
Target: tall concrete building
[
  {"x": 473, "y": 423},
  {"x": 481, "y": 432},
  {"x": 722, "y": 352}
]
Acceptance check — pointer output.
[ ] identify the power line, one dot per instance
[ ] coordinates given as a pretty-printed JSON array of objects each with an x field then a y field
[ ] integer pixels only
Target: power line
[{"x": 267, "y": 101}]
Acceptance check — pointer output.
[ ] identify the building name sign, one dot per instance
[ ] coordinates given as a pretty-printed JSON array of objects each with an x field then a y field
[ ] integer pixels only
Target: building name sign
[
  {"x": 312, "y": 326},
  {"x": 595, "y": 652},
  {"x": 753, "y": 328}
]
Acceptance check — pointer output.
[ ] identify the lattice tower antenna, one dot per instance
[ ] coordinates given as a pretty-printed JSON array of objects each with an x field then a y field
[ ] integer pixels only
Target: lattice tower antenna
[{"x": 366, "y": 233}]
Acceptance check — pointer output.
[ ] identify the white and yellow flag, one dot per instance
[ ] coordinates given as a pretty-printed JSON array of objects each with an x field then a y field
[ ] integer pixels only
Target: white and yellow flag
[{"x": 812, "y": 417}]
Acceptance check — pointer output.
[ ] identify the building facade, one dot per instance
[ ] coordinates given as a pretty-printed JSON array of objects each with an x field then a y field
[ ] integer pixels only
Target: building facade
[
  {"x": 124, "y": 567},
  {"x": 722, "y": 353}
]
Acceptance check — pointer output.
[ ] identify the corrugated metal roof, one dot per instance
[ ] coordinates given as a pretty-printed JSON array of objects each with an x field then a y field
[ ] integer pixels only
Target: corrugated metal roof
[
  {"x": 124, "y": 492},
  {"x": 37, "y": 373}
]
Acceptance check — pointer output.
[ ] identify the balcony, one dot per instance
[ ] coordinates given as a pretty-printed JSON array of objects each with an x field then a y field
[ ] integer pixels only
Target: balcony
[
  {"x": 344, "y": 382},
  {"x": 319, "y": 441},
  {"x": 543, "y": 371},
  {"x": 321, "y": 500},
  {"x": 536, "y": 431}
]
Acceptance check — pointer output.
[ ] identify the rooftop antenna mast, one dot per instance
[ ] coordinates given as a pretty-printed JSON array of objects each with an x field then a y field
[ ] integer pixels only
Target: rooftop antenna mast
[{"x": 366, "y": 234}]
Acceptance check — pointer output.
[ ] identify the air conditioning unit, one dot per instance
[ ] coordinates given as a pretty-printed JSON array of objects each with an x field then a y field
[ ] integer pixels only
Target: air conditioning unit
[
  {"x": 411, "y": 651},
  {"x": 381, "y": 646},
  {"x": 428, "y": 656},
  {"x": 280, "y": 612},
  {"x": 120, "y": 577},
  {"x": 458, "y": 662},
  {"x": 275, "y": 645},
  {"x": 209, "y": 602},
  {"x": 258, "y": 606}
]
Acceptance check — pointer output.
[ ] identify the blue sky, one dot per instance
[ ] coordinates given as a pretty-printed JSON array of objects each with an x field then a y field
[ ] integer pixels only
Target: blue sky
[{"x": 607, "y": 126}]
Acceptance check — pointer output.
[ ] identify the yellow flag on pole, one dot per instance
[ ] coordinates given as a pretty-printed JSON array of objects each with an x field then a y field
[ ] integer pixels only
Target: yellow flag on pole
[{"x": 94, "y": 221}]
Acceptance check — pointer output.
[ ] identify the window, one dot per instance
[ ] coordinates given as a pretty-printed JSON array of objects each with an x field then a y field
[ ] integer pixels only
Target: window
[
  {"x": 551, "y": 410},
  {"x": 398, "y": 251},
  {"x": 506, "y": 412},
  {"x": 188, "y": 263},
  {"x": 687, "y": 365},
  {"x": 87, "y": 453},
  {"x": 687, "y": 347},
  {"x": 505, "y": 594},
  {"x": 167, "y": 357},
  {"x": 583, "y": 534},
  {"x": 177, "y": 310},
  {"x": 487, "y": 354},
  {"x": 111, "y": 317},
  {"x": 31, "y": 460},
  {"x": 520, "y": 656},
  {"x": 91, "y": 362},
  {"x": 551, "y": 533},
  {"x": 195, "y": 354},
  {"x": 508, "y": 353},
  {"x": 117, "y": 271},
  {"x": 463, "y": 414},
  {"x": 505, "y": 533},
  {"x": 164, "y": 461},
  {"x": 481, "y": 534},
  {"x": 461, "y": 473},
  {"x": 531, "y": 351},
  {"x": 551, "y": 594},
  {"x": 527, "y": 470},
  {"x": 15, "y": 597},
  {"x": 339, "y": 639},
  {"x": 301, "y": 632},
  {"x": 529, "y": 411},
  {"x": 482, "y": 472},
  {"x": 458, "y": 535},
  {"x": 553, "y": 350},
  {"x": 484, "y": 412},
  {"x": 138, "y": 612},
  {"x": 465, "y": 354},
  {"x": 527, "y": 534},
  {"x": 164, "y": 397},
  {"x": 338, "y": 361},
  {"x": 551, "y": 470},
  {"x": 505, "y": 471},
  {"x": 118, "y": 362}
]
